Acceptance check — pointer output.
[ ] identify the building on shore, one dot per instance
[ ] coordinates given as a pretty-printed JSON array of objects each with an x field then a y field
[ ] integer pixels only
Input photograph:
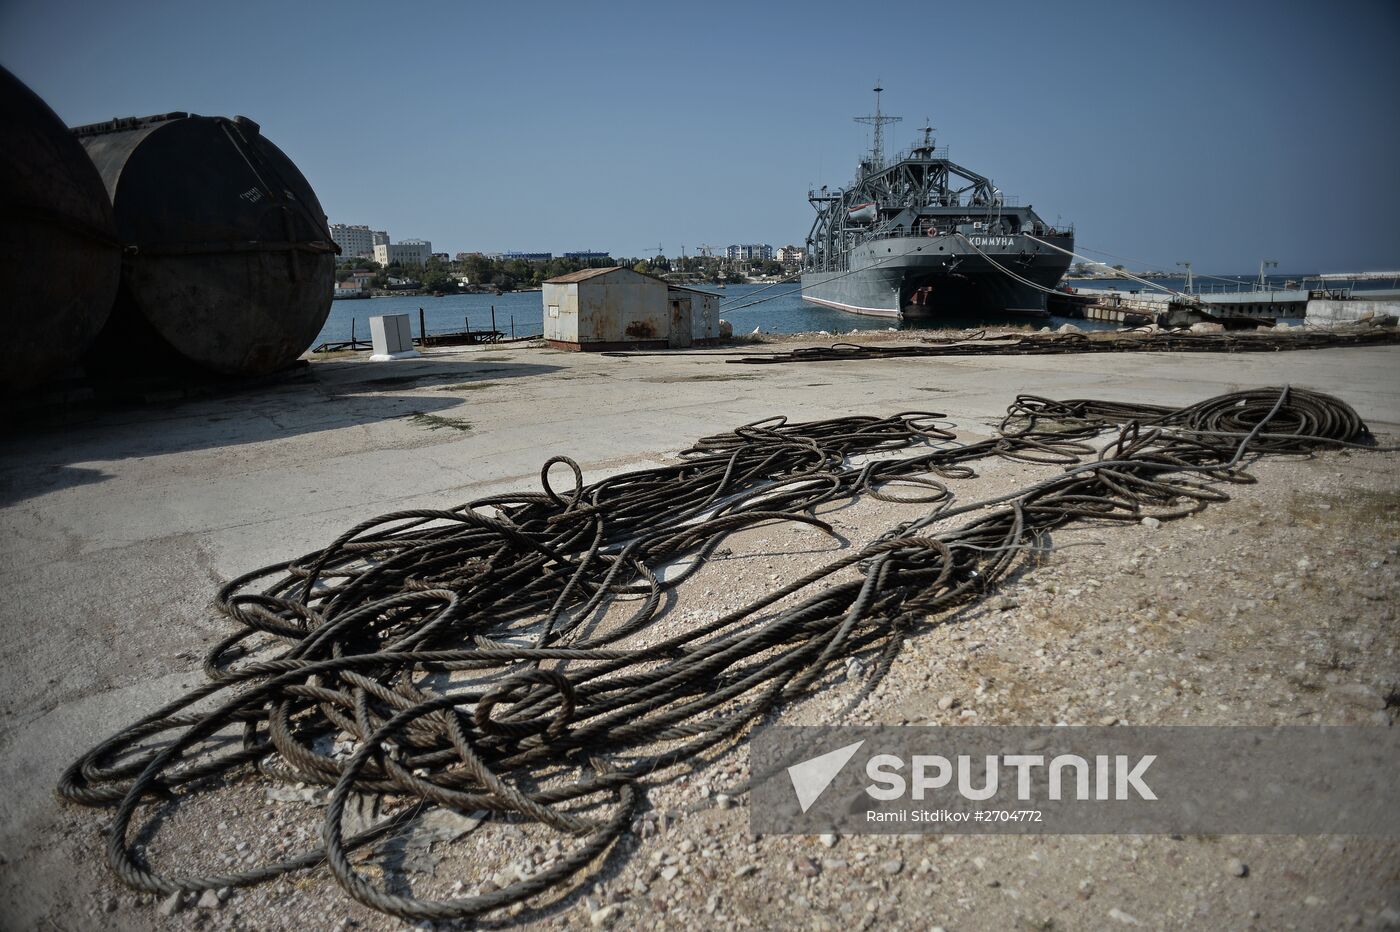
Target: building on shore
[
  {"x": 529, "y": 256},
  {"x": 790, "y": 255},
  {"x": 357, "y": 241},
  {"x": 694, "y": 316},
  {"x": 749, "y": 252},
  {"x": 619, "y": 308},
  {"x": 353, "y": 284},
  {"x": 408, "y": 252}
]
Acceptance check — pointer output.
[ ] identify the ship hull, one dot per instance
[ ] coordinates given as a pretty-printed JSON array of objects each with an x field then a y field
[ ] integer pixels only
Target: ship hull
[{"x": 952, "y": 277}]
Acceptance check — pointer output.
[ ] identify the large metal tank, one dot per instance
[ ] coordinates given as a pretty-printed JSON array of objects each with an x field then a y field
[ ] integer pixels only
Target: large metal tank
[
  {"x": 229, "y": 263},
  {"x": 59, "y": 256}
]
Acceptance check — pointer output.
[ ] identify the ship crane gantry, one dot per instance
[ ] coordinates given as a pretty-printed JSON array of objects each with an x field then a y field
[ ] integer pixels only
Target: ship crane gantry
[
  {"x": 920, "y": 234},
  {"x": 899, "y": 195}
]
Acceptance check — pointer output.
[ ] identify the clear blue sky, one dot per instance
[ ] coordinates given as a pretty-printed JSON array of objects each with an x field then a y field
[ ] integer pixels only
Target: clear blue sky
[{"x": 1218, "y": 132}]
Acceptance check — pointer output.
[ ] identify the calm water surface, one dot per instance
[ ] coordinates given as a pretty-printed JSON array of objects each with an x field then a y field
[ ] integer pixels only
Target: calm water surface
[{"x": 780, "y": 310}]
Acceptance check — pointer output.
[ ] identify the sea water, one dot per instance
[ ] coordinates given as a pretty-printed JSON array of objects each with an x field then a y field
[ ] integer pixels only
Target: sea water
[
  {"x": 776, "y": 308},
  {"x": 771, "y": 309}
]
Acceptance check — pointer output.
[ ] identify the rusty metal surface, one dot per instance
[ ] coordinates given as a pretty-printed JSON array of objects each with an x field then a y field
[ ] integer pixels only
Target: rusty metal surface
[
  {"x": 617, "y": 306},
  {"x": 59, "y": 256},
  {"x": 229, "y": 263},
  {"x": 680, "y": 336},
  {"x": 562, "y": 326},
  {"x": 704, "y": 316},
  {"x": 694, "y": 316}
]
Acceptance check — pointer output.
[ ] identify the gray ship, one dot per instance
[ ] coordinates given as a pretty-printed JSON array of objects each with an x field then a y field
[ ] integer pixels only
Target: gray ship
[{"x": 923, "y": 237}]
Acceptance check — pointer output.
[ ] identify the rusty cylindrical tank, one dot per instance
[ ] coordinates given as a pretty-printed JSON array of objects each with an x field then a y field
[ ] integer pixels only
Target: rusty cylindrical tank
[
  {"x": 59, "y": 255},
  {"x": 228, "y": 260}
]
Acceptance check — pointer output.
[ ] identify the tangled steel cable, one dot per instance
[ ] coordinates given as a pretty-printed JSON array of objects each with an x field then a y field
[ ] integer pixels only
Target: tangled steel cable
[
  {"x": 480, "y": 657},
  {"x": 1045, "y": 344}
]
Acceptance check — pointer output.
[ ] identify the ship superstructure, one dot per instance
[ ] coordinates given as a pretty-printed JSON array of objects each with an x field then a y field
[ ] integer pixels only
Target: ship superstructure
[{"x": 922, "y": 236}]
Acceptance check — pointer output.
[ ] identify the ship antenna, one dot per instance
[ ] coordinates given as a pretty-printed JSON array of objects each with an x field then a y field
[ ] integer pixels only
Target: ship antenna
[{"x": 879, "y": 121}]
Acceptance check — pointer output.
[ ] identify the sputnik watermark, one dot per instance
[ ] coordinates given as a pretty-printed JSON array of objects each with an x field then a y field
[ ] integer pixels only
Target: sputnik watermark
[
  {"x": 1107, "y": 777},
  {"x": 811, "y": 777},
  {"x": 929, "y": 772},
  {"x": 1076, "y": 780}
]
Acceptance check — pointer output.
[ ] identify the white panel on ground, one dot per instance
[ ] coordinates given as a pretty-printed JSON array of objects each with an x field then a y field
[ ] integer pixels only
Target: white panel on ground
[{"x": 391, "y": 337}]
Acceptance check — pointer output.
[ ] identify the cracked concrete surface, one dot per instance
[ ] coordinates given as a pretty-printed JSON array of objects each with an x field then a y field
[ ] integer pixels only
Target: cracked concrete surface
[{"x": 118, "y": 528}]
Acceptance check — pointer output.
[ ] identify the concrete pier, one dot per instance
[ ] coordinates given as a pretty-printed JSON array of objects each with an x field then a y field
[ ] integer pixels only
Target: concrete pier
[
  {"x": 1322, "y": 307},
  {"x": 1265, "y": 305},
  {"x": 1327, "y": 313},
  {"x": 118, "y": 530}
]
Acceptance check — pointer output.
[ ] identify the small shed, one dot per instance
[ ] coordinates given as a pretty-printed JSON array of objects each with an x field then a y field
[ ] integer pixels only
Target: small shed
[
  {"x": 694, "y": 316},
  {"x": 606, "y": 309}
]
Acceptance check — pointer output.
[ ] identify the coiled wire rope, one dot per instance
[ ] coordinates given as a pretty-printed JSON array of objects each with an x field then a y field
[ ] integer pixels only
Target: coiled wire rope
[{"x": 462, "y": 656}]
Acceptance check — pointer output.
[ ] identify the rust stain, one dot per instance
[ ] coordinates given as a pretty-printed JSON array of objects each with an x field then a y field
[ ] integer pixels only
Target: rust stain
[{"x": 641, "y": 330}]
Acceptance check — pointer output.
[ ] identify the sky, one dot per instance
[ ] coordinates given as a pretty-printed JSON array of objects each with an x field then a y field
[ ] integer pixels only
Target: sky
[{"x": 1219, "y": 133}]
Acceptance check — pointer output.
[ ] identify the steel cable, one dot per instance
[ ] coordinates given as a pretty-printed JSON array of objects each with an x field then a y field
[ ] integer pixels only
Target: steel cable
[
  {"x": 1045, "y": 344},
  {"x": 478, "y": 657}
]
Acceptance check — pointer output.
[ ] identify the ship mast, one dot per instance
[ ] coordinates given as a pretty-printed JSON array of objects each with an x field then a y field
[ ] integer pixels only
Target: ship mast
[
  {"x": 925, "y": 151},
  {"x": 879, "y": 121}
]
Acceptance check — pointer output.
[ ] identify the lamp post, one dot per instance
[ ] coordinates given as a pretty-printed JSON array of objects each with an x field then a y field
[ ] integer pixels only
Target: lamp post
[
  {"x": 1187, "y": 266},
  {"x": 1264, "y": 264}
]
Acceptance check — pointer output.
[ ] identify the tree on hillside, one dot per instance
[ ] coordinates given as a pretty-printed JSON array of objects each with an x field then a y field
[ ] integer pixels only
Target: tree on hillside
[
  {"x": 560, "y": 266},
  {"x": 435, "y": 277},
  {"x": 478, "y": 268}
]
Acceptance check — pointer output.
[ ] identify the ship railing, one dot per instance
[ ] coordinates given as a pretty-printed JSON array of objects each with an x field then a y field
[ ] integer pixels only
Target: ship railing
[
  {"x": 1002, "y": 202},
  {"x": 939, "y": 152},
  {"x": 920, "y": 230},
  {"x": 1246, "y": 286}
]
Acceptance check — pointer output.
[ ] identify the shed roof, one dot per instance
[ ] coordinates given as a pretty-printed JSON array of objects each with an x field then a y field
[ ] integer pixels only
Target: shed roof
[
  {"x": 712, "y": 294},
  {"x": 582, "y": 274},
  {"x": 585, "y": 274}
]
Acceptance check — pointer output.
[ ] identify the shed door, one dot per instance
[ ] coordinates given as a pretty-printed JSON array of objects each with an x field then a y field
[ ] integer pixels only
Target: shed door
[{"x": 680, "y": 323}]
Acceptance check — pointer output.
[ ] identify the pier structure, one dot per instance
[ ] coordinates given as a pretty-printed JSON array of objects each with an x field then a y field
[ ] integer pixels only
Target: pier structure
[{"x": 1132, "y": 307}]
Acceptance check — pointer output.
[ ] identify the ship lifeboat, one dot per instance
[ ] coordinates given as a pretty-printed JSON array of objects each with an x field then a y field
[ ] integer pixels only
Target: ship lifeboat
[{"x": 863, "y": 213}]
